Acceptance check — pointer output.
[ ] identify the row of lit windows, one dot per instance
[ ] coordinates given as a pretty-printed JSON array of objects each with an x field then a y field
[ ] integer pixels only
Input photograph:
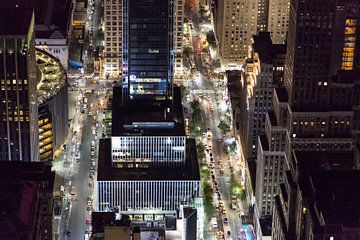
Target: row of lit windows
[
  {"x": 16, "y": 119},
  {"x": 14, "y": 81}
]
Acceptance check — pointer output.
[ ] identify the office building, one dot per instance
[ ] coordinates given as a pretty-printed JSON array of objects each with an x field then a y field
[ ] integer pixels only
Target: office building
[
  {"x": 105, "y": 225},
  {"x": 147, "y": 168},
  {"x": 113, "y": 37},
  {"x": 119, "y": 27},
  {"x": 318, "y": 199},
  {"x": 18, "y": 127},
  {"x": 26, "y": 191},
  {"x": 147, "y": 140},
  {"x": 278, "y": 20},
  {"x": 318, "y": 108},
  {"x": 263, "y": 71},
  {"x": 152, "y": 191},
  {"x": 52, "y": 24},
  {"x": 148, "y": 50},
  {"x": 262, "y": 15},
  {"x": 51, "y": 96},
  {"x": 178, "y": 38},
  {"x": 236, "y": 23},
  {"x": 189, "y": 217}
]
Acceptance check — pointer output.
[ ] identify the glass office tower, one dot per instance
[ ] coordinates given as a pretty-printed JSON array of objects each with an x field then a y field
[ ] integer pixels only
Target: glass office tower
[{"x": 148, "y": 54}]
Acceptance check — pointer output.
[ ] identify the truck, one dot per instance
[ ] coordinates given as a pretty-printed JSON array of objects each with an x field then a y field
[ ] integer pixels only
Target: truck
[{"x": 213, "y": 222}]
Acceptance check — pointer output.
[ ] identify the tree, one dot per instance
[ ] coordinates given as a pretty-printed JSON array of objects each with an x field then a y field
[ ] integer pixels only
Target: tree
[
  {"x": 200, "y": 150},
  {"x": 224, "y": 127},
  {"x": 187, "y": 51},
  {"x": 208, "y": 199},
  {"x": 190, "y": 5},
  {"x": 184, "y": 91},
  {"x": 196, "y": 111}
]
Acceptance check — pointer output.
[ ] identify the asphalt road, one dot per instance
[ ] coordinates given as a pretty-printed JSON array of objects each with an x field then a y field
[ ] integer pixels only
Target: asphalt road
[{"x": 212, "y": 120}]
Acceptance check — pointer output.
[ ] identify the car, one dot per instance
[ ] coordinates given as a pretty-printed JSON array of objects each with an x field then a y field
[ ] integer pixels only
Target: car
[
  {"x": 221, "y": 171},
  {"x": 215, "y": 183},
  {"x": 218, "y": 139},
  {"x": 204, "y": 134},
  {"x": 68, "y": 233},
  {"x": 211, "y": 165},
  {"x": 89, "y": 202},
  {"x": 221, "y": 162},
  {"x": 228, "y": 233},
  {"x": 72, "y": 190},
  {"x": 211, "y": 155},
  {"x": 88, "y": 208},
  {"x": 226, "y": 221},
  {"x": 213, "y": 177},
  {"x": 216, "y": 189},
  {"x": 211, "y": 160},
  {"x": 209, "y": 129},
  {"x": 87, "y": 222}
]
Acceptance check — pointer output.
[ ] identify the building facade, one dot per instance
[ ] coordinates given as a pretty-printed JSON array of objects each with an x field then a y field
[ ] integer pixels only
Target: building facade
[
  {"x": 262, "y": 15},
  {"x": 113, "y": 30},
  {"x": 263, "y": 71},
  {"x": 18, "y": 127},
  {"x": 162, "y": 196},
  {"x": 315, "y": 111},
  {"x": 52, "y": 93},
  {"x": 316, "y": 200},
  {"x": 178, "y": 38},
  {"x": 236, "y": 23},
  {"x": 148, "y": 49},
  {"x": 57, "y": 45},
  {"x": 116, "y": 29},
  {"x": 278, "y": 20},
  {"x": 148, "y": 151}
]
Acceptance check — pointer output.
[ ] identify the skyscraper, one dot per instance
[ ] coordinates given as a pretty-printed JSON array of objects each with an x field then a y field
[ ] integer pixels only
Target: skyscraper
[
  {"x": 318, "y": 108},
  {"x": 278, "y": 20},
  {"x": 262, "y": 15},
  {"x": 148, "y": 51},
  {"x": 18, "y": 106},
  {"x": 113, "y": 37},
  {"x": 148, "y": 166},
  {"x": 236, "y": 23}
]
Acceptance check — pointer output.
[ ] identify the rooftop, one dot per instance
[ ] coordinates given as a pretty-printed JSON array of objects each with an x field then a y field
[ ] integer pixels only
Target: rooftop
[
  {"x": 106, "y": 172},
  {"x": 282, "y": 94},
  {"x": 50, "y": 15},
  {"x": 341, "y": 160},
  {"x": 51, "y": 75},
  {"x": 266, "y": 49},
  {"x": 15, "y": 21},
  {"x": 19, "y": 186},
  {"x": 146, "y": 117},
  {"x": 336, "y": 195}
]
